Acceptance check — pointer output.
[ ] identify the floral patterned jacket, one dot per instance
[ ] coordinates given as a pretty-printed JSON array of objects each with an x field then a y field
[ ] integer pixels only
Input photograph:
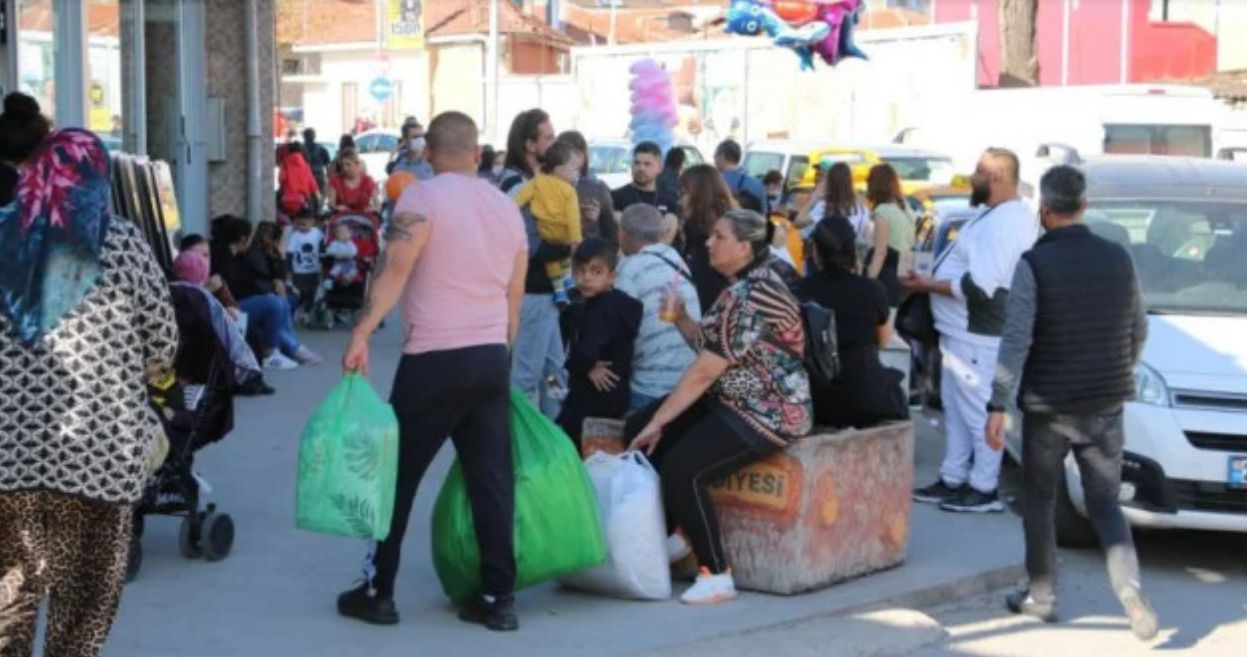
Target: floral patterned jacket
[{"x": 756, "y": 326}]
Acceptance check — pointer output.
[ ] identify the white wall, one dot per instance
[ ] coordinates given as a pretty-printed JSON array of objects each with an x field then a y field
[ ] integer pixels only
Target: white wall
[
  {"x": 748, "y": 89},
  {"x": 323, "y": 99}
]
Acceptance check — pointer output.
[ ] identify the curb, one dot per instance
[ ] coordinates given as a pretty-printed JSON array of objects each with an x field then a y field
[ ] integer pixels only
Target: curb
[
  {"x": 941, "y": 594},
  {"x": 923, "y": 598}
]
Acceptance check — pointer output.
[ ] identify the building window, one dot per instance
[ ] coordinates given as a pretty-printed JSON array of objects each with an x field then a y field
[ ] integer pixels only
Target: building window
[
  {"x": 36, "y": 52},
  {"x": 103, "y": 80}
]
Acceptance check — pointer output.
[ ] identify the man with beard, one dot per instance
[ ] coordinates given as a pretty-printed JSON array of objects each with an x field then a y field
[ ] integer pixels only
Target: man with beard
[
  {"x": 646, "y": 167},
  {"x": 969, "y": 290}
]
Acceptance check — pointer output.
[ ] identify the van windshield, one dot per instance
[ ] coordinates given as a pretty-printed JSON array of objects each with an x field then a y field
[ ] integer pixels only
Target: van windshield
[
  {"x": 757, "y": 164},
  {"x": 1189, "y": 255}
]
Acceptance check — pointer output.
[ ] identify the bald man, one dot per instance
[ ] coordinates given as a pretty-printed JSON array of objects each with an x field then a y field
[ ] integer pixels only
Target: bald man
[
  {"x": 969, "y": 290},
  {"x": 456, "y": 257}
]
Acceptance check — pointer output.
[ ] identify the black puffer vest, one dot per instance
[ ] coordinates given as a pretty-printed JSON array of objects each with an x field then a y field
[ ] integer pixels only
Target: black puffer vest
[{"x": 1081, "y": 359}]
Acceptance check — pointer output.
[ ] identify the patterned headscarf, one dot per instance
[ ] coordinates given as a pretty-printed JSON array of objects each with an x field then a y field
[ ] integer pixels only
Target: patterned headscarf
[{"x": 52, "y": 234}]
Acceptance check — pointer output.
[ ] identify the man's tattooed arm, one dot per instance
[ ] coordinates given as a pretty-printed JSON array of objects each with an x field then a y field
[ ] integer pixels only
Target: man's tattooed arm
[{"x": 406, "y": 236}]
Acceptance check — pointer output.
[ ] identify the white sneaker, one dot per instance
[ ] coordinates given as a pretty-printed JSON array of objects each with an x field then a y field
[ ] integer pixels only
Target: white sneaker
[
  {"x": 278, "y": 361},
  {"x": 677, "y": 548},
  {"x": 710, "y": 589},
  {"x": 306, "y": 356}
]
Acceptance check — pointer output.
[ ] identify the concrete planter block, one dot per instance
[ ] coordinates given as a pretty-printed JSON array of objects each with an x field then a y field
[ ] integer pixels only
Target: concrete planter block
[{"x": 833, "y": 507}]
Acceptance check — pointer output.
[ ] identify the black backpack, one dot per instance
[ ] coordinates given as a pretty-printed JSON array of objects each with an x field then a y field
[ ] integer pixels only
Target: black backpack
[
  {"x": 822, "y": 353},
  {"x": 747, "y": 199}
]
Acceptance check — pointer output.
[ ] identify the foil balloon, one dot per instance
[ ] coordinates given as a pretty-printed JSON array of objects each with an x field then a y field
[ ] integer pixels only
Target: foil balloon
[
  {"x": 807, "y": 27},
  {"x": 654, "y": 113}
]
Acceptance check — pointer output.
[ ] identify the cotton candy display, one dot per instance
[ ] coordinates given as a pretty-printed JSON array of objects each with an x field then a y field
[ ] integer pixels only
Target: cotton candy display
[
  {"x": 654, "y": 113},
  {"x": 808, "y": 27}
]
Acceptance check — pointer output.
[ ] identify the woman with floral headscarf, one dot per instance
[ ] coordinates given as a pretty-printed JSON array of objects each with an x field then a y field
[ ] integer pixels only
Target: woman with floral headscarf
[{"x": 85, "y": 320}]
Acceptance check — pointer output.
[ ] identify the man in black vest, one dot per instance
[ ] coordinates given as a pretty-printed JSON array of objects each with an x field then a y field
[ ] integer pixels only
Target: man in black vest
[{"x": 1075, "y": 328}]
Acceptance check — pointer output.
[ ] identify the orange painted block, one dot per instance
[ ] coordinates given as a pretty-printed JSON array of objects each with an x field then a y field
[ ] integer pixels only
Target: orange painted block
[{"x": 831, "y": 508}]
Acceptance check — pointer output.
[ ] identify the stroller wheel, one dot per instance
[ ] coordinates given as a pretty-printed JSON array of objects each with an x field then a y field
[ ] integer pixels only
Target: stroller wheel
[
  {"x": 188, "y": 539},
  {"x": 134, "y": 561},
  {"x": 218, "y": 536}
]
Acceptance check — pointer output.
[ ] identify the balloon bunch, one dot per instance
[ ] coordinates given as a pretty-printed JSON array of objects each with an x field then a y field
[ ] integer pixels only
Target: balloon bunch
[
  {"x": 654, "y": 112},
  {"x": 808, "y": 27}
]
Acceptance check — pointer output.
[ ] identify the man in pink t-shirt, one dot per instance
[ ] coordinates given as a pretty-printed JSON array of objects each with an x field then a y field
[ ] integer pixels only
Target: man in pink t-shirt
[{"x": 456, "y": 257}]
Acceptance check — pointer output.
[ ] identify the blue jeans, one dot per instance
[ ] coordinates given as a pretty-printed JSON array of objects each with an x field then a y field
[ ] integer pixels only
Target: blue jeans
[
  {"x": 640, "y": 401},
  {"x": 538, "y": 352},
  {"x": 270, "y": 314}
]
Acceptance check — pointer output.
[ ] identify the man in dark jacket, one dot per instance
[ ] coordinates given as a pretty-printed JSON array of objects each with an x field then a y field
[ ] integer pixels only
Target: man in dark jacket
[{"x": 1075, "y": 327}]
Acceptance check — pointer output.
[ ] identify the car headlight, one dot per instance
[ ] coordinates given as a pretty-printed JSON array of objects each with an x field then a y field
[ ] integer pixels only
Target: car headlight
[{"x": 1149, "y": 386}]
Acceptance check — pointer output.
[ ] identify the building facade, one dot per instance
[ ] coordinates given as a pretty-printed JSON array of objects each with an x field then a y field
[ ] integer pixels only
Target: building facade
[
  {"x": 163, "y": 78},
  {"x": 1093, "y": 42}
]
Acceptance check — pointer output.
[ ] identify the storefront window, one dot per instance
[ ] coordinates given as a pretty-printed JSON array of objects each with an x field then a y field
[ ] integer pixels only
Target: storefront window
[
  {"x": 104, "y": 71},
  {"x": 36, "y": 52}
]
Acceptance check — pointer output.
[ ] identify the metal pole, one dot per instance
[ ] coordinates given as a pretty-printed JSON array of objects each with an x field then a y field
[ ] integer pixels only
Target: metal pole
[
  {"x": 9, "y": 74},
  {"x": 255, "y": 168},
  {"x": 70, "y": 42},
  {"x": 491, "y": 74},
  {"x": 613, "y": 16},
  {"x": 138, "y": 78},
  {"x": 1065, "y": 46},
  {"x": 380, "y": 25}
]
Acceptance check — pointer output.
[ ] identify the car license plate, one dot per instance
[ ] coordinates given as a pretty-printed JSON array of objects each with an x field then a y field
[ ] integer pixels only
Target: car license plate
[{"x": 1238, "y": 472}]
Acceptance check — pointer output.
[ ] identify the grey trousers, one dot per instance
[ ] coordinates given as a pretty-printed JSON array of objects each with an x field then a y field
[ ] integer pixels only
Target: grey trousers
[{"x": 1097, "y": 442}]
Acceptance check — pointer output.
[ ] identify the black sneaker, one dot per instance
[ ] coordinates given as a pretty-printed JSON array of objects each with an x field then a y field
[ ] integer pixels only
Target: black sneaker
[
  {"x": 360, "y": 604},
  {"x": 1143, "y": 621},
  {"x": 1021, "y": 602},
  {"x": 970, "y": 500},
  {"x": 254, "y": 387},
  {"x": 936, "y": 493},
  {"x": 498, "y": 615}
]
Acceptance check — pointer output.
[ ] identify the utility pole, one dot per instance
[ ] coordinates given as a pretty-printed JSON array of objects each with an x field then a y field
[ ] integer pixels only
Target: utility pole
[
  {"x": 491, "y": 74},
  {"x": 614, "y": 9}
]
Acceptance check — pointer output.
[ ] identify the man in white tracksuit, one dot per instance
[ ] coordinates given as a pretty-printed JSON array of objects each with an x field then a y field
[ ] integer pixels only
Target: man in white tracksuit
[{"x": 969, "y": 291}]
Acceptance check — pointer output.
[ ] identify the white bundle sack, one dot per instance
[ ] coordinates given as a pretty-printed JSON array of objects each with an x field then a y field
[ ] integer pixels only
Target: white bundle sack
[{"x": 630, "y": 504}]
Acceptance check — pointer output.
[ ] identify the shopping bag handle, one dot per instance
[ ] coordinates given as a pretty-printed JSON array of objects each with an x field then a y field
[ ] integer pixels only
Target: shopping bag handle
[{"x": 639, "y": 458}]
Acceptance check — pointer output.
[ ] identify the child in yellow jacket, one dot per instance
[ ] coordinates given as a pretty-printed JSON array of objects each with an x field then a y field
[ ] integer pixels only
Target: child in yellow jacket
[{"x": 551, "y": 198}]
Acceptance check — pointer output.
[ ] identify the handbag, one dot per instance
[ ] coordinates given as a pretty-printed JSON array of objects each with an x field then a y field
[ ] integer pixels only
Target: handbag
[{"x": 914, "y": 319}]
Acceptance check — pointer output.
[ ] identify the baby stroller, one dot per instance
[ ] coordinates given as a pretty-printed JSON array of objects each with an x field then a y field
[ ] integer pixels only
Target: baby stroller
[
  {"x": 196, "y": 409},
  {"x": 337, "y": 302}
]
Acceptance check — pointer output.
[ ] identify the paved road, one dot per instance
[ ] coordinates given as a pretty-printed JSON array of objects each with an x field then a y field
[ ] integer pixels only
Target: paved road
[
  {"x": 274, "y": 595},
  {"x": 1197, "y": 582}
]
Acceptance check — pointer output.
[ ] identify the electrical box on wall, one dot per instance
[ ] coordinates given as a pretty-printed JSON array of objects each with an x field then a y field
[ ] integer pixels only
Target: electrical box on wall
[{"x": 214, "y": 128}]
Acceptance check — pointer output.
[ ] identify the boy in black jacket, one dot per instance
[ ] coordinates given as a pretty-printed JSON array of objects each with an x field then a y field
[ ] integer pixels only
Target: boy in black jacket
[{"x": 599, "y": 359}]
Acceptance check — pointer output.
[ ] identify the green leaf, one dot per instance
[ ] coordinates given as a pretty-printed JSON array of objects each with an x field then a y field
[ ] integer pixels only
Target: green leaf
[{"x": 358, "y": 513}]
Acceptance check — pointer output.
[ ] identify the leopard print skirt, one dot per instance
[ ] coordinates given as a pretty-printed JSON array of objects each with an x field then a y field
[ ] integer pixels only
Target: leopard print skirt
[{"x": 67, "y": 549}]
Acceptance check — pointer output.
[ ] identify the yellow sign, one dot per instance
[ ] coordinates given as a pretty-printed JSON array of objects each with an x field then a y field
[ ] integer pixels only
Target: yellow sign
[
  {"x": 770, "y": 489},
  {"x": 404, "y": 28}
]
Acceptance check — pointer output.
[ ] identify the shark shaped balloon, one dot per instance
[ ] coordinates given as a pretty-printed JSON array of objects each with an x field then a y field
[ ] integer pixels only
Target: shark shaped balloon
[{"x": 808, "y": 27}]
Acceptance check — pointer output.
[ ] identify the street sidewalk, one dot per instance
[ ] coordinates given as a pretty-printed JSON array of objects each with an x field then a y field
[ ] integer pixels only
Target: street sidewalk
[{"x": 274, "y": 596}]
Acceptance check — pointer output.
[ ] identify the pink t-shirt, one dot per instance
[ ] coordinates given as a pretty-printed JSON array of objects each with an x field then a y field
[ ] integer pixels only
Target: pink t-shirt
[{"x": 457, "y": 294}]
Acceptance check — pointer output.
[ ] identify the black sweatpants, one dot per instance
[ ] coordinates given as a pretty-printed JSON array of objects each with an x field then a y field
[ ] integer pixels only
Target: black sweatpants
[
  {"x": 704, "y": 444},
  {"x": 306, "y": 284},
  {"x": 1097, "y": 442},
  {"x": 463, "y": 394}
]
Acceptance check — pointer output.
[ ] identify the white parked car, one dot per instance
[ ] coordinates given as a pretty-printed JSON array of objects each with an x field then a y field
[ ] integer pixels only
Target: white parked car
[
  {"x": 611, "y": 160},
  {"x": 1184, "y": 221},
  {"x": 375, "y": 149}
]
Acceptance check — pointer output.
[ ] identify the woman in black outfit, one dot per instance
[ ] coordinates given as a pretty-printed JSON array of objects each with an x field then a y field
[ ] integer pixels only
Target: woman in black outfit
[
  {"x": 704, "y": 200},
  {"x": 866, "y": 392}
]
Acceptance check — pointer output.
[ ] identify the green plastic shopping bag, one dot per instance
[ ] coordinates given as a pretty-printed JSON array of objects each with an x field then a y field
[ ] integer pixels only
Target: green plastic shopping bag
[
  {"x": 557, "y": 530},
  {"x": 348, "y": 464}
]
